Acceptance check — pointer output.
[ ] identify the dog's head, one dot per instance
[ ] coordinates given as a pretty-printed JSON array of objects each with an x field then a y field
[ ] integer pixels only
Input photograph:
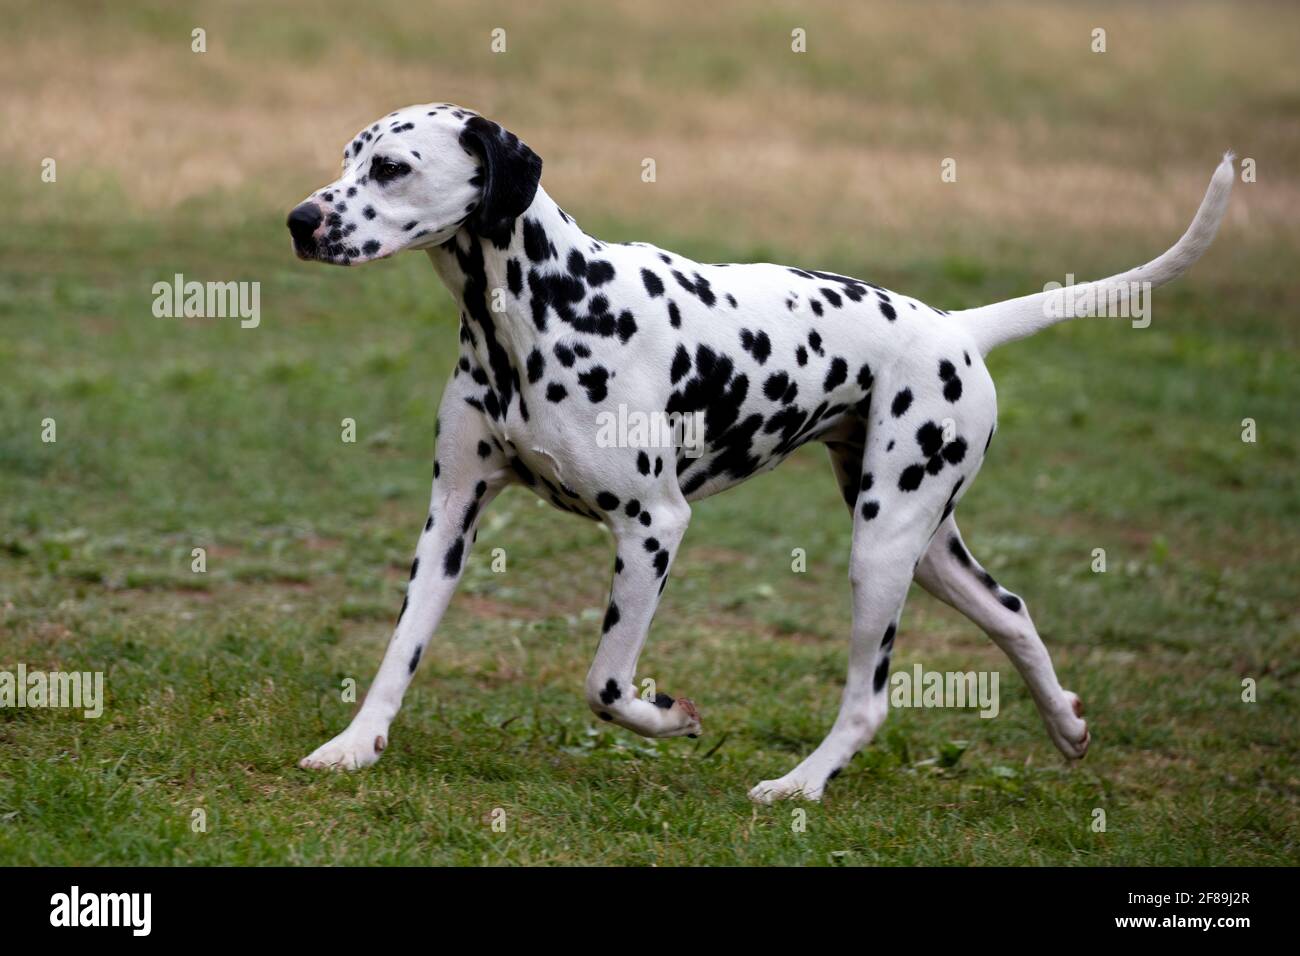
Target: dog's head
[{"x": 411, "y": 181}]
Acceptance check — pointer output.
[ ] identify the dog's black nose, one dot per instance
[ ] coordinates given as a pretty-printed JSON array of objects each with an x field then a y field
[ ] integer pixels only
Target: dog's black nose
[{"x": 303, "y": 221}]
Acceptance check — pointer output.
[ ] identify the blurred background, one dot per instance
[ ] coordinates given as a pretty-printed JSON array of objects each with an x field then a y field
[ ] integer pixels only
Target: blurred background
[{"x": 181, "y": 433}]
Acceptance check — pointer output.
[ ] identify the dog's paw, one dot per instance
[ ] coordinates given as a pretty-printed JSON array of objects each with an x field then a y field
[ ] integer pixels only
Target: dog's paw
[
  {"x": 1068, "y": 729},
  {"x": 684, "y": 709},
  {"x": 789, "y": 787},
  {"x": 680, "y": 719},
  {"x": 350, "y": 750}
]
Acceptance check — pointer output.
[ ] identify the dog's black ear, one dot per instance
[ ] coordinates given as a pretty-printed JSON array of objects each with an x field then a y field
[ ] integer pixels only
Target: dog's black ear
[{"x": 510, "y": 174}]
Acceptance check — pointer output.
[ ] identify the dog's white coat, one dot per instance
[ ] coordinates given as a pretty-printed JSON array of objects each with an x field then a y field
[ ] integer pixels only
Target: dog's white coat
[{"x": 898, "y": 534}]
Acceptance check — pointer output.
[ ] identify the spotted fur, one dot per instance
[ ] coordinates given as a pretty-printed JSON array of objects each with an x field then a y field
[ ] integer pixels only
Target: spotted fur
[{"x": 557, "y": 327}]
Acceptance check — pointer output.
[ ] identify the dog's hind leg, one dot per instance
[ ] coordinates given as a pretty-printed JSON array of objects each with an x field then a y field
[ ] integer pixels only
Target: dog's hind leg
[
  {"x": 645, "y": 550},
  {"x": 920, "y": 456},
  {"x": 950, "y": 573},
  {"x": 469, "y": 470},
  {"x": 894, "y": 517}
]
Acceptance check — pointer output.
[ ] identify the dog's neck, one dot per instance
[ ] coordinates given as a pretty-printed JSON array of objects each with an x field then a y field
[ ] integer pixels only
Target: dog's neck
[{"x": 496, "y": 281}]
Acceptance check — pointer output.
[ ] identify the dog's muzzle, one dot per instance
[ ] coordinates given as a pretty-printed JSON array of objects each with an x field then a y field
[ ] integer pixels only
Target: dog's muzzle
[{"x": 303, "y": 222}]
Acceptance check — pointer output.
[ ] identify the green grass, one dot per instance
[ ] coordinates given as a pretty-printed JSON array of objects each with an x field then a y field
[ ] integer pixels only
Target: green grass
[
  {"x": 174, "y": 434},
  {"x": 177, "y": 434}
]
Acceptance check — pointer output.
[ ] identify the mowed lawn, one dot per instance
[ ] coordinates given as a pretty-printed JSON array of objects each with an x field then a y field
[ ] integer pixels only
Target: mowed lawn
[{"x": 176, "y": 434}]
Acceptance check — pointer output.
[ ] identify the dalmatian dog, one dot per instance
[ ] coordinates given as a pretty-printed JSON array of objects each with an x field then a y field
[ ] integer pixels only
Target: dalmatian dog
[{"x": 557, "y": 327}]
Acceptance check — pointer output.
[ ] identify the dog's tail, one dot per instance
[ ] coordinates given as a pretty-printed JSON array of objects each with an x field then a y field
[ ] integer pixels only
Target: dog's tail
[{"x": 992, "y": 325}]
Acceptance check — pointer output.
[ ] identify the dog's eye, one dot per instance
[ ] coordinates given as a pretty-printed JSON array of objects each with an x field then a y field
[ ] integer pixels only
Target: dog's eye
[{"x": 385, "y": 170}]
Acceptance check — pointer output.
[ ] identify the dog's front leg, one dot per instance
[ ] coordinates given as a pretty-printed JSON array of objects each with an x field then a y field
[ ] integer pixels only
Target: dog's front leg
[
  {"x": 469, "y": 471},
  {"x": 644, "y": 553}
]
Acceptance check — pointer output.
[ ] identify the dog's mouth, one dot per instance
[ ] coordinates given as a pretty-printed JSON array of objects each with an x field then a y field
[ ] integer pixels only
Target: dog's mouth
[
  {"x": 321, "y": 234},
  {"x": 306, "y": 251},
  {"x": 337, "y": 253}
]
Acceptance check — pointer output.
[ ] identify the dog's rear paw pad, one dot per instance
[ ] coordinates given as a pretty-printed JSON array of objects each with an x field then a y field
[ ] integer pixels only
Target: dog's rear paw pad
[
  {"x": 693, "y": 727},
  {"x": 1070, "y": 733}
]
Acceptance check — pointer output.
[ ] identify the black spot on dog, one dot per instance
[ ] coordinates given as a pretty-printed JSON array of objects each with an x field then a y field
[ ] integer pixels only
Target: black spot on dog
[
  {"x": 610, "y": 692},
  {"x": 951, "y": 383},
  {"x": 611, "y": 618},
  {"x": 1009, "y": 601},
  {"x": 680, "y": 367},
  {"x": 699, "y": 288},
  {"x": 653, "y": 284},
  {"x": 555, "y": 392},
  {"x": 536, "y": 245},
  {"x": 930, "y": 437},
  {"x": 536, "y": 366},
  {"x": 471, "y": 513},
  {"x": 865, "y": 379},
  {"x": 451, "y": 562},
  {"x": 607, "y": 501},
  {"x": 836, "y": 375},
  {"x": 775, "y": 386},
  {"x": 886, "y": 308},
  {"x": 902, "y": 402},
  {"x": 882, "y": 674},
  {"x": 415, "y": 662},
  {"x": 600, "y": 272},
  {"x": 595, "y": 381},
  {"x": 756, "y": 344},
  {"x": 957, "y": 551},
  {"x": 663, "y": 701},
  {"x": 415, "y": 569}
]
